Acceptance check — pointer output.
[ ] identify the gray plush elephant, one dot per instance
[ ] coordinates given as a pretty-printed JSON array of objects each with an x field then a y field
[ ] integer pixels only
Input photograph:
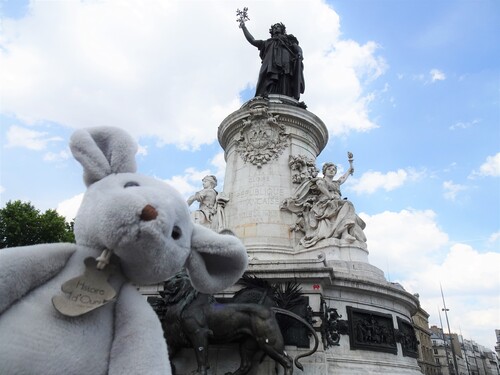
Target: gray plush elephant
[{"x": 73, "y": 308}]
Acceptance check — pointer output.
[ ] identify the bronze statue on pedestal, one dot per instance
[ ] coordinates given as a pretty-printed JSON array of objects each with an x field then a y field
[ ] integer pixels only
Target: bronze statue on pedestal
[{"x": 282, "y": 70}]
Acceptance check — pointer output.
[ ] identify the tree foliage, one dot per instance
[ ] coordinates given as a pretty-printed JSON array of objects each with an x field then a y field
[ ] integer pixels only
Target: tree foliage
[{"x": 21, "y": 224}]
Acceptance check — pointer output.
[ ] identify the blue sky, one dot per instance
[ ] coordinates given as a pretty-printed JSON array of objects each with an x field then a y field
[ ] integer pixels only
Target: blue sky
[{"x": 412, "y": 88}]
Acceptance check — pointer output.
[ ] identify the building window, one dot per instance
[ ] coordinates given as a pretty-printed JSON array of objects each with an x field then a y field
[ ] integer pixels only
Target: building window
[{"x": 435, "y": 351}]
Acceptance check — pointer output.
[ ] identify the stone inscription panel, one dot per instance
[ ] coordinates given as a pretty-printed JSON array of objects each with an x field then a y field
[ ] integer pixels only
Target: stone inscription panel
[{"x": 258, "y": 200}]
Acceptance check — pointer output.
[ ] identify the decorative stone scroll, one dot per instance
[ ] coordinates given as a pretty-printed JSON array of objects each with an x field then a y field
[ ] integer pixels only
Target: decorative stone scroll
[
  {"x": 370, "y": 330},
  {"x": 407, "y": 337},
  {"x": 262, "y": 138}
]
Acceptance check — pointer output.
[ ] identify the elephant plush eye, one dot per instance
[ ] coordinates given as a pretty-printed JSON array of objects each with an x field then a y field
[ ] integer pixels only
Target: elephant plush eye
[
  {"x": 131, "y": 183},
  {"x": 176, "y": 232}
]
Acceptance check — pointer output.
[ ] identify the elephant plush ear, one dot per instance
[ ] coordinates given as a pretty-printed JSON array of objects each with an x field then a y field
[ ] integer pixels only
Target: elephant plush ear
[
  {"x": 216, "y": 262},
  {"x": 103, "y": 151}
]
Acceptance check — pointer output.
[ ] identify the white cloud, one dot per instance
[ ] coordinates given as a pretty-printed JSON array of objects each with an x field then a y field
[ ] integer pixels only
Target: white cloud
[
  {"x": 491, "y": 167},
  {"x": 30, "y": 139},
  {"x": 437, "y": 75},
  {"x": 464, "y": 125},
  {"x": 182, "y": 184},
  {"x": 57, "y": 156},
  {"x": 451, "y": 190},
  {"x": 370, "y": 182},
  {"x": 470, "y": 282},
  {"x": 400, "y": 242},
  {"x": 341, "y": 102},
  {"x": 189, "y": 182},
  {"x": 140, "y": 66},
  {"x": 142, "y": 150},
  {"x": 494, "y": 237},
  {"x": 69, "y": 207},
  {"x": 219, "y": 163},
  {"x": 186, "y": 184},
  {"x": 413, "y": 251},
  {"x": 467, "y": 290},
  {"x": 462, "y": 271},
  {"x": 433, "y": 76}
]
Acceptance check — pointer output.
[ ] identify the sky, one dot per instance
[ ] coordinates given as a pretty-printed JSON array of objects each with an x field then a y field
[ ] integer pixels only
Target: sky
[{"x": 411, "y": 88}]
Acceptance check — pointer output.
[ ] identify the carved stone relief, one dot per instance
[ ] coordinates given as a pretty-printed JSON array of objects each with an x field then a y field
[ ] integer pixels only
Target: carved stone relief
[
  {"x": 262, "y": 138},
  {"x": 408, "y": 339},
  {"x": 370, "y": 330},
  {"x": 303, "y": 168}
]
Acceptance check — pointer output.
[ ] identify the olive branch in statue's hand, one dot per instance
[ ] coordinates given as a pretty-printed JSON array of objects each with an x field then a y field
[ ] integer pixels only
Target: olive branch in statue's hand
[{"x": 242, "y": 16}]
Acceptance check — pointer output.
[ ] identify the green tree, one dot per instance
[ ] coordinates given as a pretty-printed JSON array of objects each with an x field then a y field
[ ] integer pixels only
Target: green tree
[{"x": 21, "y": 224}]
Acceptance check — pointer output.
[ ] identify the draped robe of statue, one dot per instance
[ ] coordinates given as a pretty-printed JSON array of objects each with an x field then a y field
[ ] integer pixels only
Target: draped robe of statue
[
  {"x": 281, "y": 71},
  {"x": 210, "y": 212},
  {"x": 207, "y": 209},
  {"x": 324, "y": 216}
]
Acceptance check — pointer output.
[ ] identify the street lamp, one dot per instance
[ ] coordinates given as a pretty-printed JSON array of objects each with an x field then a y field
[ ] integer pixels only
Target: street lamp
[
  {"x": 449, "y": 332},
  {"x": 445, "y": 346}
]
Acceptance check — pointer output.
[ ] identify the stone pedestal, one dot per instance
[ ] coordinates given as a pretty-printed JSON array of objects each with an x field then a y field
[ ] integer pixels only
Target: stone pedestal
[
  {"x": 359, "y": 292},
  {"x": 355, "y": 298},
  {"x": 258, "y": 140},
  {"x": 261, "y": 141}
]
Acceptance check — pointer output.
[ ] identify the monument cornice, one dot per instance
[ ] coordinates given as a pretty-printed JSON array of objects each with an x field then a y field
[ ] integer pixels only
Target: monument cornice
[
  {"x": 378, "y": 289},
  {"x": 316, "y": 269},
  {"x": 288, "y": 114}
]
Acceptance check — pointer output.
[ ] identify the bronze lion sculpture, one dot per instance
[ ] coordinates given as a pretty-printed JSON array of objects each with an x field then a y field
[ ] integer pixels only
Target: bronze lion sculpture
[{"x": 193, "y": 319}]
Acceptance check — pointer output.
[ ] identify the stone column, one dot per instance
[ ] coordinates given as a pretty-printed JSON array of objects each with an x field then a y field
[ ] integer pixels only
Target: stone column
[{"x": 258, "y": 140}]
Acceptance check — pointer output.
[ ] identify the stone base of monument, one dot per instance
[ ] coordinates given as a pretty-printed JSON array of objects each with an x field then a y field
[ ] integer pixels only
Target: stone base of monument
[
  {"x": 271, "y": 181},
  {"x": 375, "y": 314},
  {"x": 225, "y": 359},
  {"x": 342, "y": 361}
]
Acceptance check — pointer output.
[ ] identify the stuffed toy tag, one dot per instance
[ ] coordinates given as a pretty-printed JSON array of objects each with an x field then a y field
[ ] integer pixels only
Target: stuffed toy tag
[{"x": 86, "y": 292}]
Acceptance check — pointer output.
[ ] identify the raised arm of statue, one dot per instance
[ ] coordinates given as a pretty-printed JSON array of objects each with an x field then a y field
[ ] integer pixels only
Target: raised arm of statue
[
  {"x": 346, "y": 175},
  {"x": 250, "y": 37},
  {"x": 350, "y": 171}
]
